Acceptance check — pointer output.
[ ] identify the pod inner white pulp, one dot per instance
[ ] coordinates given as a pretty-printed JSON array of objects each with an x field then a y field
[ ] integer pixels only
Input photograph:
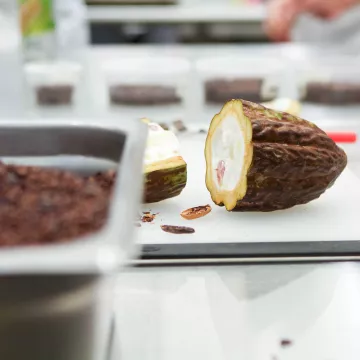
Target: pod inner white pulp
[
  {"x": 161, "y": 144},
  {"x": 228, "y": 151}
]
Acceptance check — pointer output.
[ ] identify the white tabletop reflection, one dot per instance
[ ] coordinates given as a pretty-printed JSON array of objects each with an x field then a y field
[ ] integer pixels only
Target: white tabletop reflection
[{"x": 240, "y": 312}]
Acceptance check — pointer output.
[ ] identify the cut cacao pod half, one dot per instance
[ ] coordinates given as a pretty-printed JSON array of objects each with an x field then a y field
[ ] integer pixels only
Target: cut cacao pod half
[
  {"x": 258, "y": 159},
  {"x": 228, "y": 152},
  {"x": 165, "y": 170}
]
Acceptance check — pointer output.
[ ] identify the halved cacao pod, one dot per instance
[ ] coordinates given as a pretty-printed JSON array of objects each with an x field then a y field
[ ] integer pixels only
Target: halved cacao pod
[
  {"x": 259, "y": 159},
  {"x": 165, "y": 179},
  {"x": 165, "y": 170}
]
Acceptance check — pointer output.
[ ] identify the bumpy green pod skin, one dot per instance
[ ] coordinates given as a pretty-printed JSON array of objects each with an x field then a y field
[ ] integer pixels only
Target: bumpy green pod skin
[
  {"x": 162, "y": 180},
  {"x": 165, "y": 180},
  {"x": 293, "y": 161}
]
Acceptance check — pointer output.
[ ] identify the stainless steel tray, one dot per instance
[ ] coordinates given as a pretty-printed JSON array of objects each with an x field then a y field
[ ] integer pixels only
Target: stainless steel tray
[
  {"x": 56, "y": 300},
  {"x": 52, "y": 144}
]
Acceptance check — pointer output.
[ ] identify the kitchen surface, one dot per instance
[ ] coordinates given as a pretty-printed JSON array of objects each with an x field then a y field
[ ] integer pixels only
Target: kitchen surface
[{"x": 288, "y": 311}]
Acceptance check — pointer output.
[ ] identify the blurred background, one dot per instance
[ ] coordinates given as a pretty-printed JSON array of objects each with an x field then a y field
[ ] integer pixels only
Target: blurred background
[
  {"x": 204, "y": 21},
  {"x": 180, "y": 60},
  {"x": 177, "y": 21}
]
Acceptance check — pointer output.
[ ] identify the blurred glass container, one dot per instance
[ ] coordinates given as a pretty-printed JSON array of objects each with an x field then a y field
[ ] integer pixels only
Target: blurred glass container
[
  {"x": 11, "y": 84},
  {"x": 38, "y": 29},
  {"x": 147, "y": 86},
  {"x": 56, "y": 31},
  {"x": 223, "y": 78},
  {"x": 72, "y": 29},
  {"x": 53, "y": 88},
  {"x": 252, "y": 79},
  {"x": 329, "y": 80},
  {"x": 72, "y": 39},
  {"x": 53, "y": 29}
]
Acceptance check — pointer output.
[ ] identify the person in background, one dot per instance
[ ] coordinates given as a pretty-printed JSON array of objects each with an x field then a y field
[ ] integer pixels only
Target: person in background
[{"x": 283, "y": 14}]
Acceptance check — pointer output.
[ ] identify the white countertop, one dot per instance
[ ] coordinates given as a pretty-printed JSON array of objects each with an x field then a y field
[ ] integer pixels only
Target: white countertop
[
  {"x": 332, "y": 217},
  {"x": 239, "y": 312}
]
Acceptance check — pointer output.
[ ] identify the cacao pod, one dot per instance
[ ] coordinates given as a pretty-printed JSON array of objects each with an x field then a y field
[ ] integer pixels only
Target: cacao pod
[{"x": 258, "y": 159}]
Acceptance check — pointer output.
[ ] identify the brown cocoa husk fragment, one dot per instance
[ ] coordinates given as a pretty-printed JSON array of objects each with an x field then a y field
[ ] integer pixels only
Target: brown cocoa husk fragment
[
  {"x": 148, "y": 217},
  {"x": 285, "y": 343},
  {"x": 196, "y": 212},
  {"x": 164, "y": 126},
  {"x": 177, "y": 229}
]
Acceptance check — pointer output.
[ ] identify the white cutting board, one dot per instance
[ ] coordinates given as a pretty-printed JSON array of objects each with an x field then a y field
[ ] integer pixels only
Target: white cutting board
[{"x": 334, "y": 216}]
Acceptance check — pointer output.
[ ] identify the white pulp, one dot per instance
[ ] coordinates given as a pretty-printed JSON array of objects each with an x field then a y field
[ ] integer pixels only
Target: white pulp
[
  {"x": 161, "y": 144},
  {"x": 281, "y": 104},
  {"x": 228, "y": 146}
]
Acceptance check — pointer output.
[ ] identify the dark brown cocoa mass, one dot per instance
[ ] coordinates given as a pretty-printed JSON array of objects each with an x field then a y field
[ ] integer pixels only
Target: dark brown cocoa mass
[
  {"x": 332, "y": 93},
  {"x": 143, "y": 95},
  {"x": 293, "y": 162},
  {"x": 42, "y": 206},
  {"x": 221, "y": 90},
  {"x": 54, "y": 95}
]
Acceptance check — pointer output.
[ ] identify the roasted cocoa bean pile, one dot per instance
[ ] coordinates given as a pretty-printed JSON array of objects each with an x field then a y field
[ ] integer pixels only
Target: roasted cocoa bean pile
[
  {"x": 105, "y": 180},
  {"x": 41, "y": 206}
]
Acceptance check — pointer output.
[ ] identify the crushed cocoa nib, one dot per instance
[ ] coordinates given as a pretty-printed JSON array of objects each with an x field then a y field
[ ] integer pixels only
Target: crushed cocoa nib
[
  {"x": 164, "y": 126},
  {"x": 196, "y": 212},
  {"x": 177, "y": 229},
  {"x": 105, "y": 180},
  {"x": 148, "y": 217},
  {"x": 41, "y": 206},
  {"x": 285, "y": 343},
  {"x": 179, "y": 125}
]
